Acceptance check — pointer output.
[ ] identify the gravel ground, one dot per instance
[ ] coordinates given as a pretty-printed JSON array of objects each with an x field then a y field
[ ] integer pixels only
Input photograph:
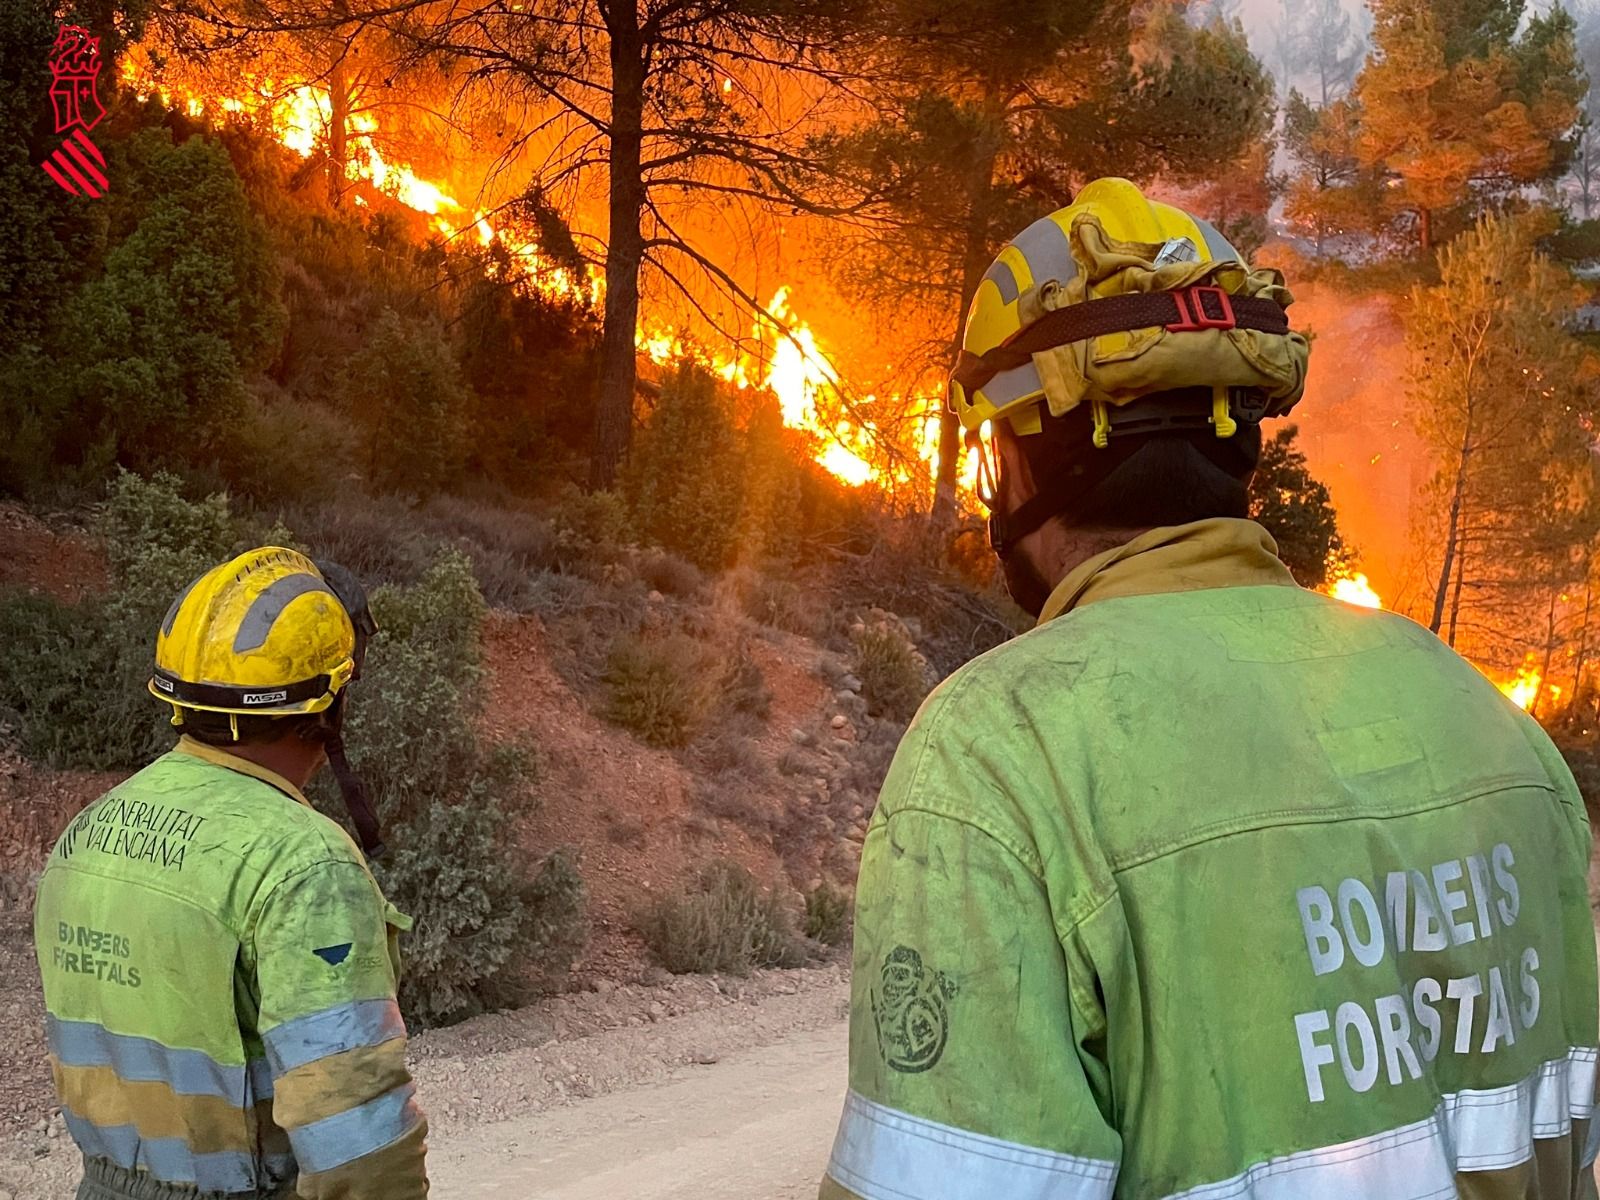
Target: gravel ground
[{"x": 507, "y": 1066}]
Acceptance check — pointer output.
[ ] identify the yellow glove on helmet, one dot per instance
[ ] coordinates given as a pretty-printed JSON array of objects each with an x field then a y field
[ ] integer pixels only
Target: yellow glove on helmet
[{"x": 1117, "y": 298}]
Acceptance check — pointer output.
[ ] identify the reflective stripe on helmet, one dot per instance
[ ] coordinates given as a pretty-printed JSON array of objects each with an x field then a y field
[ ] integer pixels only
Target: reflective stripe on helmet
[{"x": 268, "y": 606}]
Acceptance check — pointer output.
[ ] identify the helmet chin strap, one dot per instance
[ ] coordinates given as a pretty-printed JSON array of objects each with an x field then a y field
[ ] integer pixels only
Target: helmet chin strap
[
  {"x": 354, "y": 791},
  {"x": 352, "y": 787}
]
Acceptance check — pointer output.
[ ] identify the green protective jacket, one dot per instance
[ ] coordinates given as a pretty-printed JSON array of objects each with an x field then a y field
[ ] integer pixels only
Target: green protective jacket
[
  {"x": 219, "y": 976},
  {"x": 1215, "y": 888}
]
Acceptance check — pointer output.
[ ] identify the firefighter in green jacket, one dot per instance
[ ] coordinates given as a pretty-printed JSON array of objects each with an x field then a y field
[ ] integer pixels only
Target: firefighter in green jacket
[
  {"x": 219, "y": 965},
  {"x": 1208, "y": 887}
]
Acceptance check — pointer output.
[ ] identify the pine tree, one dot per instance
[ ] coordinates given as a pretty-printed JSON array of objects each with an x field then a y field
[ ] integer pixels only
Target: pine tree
[
  {"x": 683, "y": 481},
  {"x": 1297, "y": 510},
  {"x": 1504, "y": 397},
  {"x": 1455, "y": 111}
]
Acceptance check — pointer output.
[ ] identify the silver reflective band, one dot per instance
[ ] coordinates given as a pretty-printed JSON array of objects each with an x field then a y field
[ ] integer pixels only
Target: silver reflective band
[
  {"x": 332, "y": 1031},
  {"x": 884, "y": 1154},
  {"x": 1470, "y": 1130},
  {"x": 143, "y": 1060},
  {"x": 356, "y": 1132},
  {"x": 267, "y": 607},
  {"x": 171, "y": 1160}
]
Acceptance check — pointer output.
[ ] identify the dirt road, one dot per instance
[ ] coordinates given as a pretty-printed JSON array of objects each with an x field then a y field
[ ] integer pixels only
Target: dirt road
[
  {"x": 697, "y": 1088},
  {"x": 754, "y": 1126}
]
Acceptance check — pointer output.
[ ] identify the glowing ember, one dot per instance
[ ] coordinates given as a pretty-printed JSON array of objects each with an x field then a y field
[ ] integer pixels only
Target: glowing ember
[{"x": 1354, "y": 589}]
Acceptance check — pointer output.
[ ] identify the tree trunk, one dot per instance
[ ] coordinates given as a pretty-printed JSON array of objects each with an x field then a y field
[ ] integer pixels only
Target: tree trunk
[
  {"x": 1453, "y": 530},
  {"x": 1461, "y": 576},
  {"x": 1549, "y": 648},
  {"x": 613, "y": 414},
  {"x": 338, "y": 133},
  {"x": 974, "y": 262},
  {"x": 1583, "y": 631},
  {"x": 1425, "y": 228}
]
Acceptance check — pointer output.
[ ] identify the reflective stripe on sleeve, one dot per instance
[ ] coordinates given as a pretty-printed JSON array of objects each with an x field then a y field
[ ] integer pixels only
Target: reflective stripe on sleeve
[
  {"x": 884, "y": 1154},
  {"x": 332, "y": 1031},
  {"x": 1472, "y": 1130},
  {"x": 357, "y": 1132},
  {"x": 172, "y": 1161},
  {"x": 143, "y": 1060}
]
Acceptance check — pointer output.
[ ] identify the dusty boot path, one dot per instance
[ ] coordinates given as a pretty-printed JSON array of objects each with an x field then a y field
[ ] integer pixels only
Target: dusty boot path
[{"x": 755, "y": 1126}]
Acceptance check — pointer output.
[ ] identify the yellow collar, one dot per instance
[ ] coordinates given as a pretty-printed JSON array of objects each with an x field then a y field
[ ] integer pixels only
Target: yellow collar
[
  {"x": 221, "y": 758},
  {"x": 1222, "y": 552}
]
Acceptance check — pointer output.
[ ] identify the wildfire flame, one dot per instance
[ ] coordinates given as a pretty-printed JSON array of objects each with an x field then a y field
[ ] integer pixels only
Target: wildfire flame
[
  {"x": 1523, "y": 689},
  {"x": 792, "y": 365},
  {"x": 1354, "y": 589}
]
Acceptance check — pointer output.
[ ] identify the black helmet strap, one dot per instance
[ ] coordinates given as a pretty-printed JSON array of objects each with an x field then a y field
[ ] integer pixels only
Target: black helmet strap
[{"x": 352, "y": 788}]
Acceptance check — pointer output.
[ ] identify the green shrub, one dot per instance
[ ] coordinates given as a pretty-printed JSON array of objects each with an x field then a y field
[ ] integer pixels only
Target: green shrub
[
  {"x": 409, "y": 405},
  {"x": 376, "y": 537},
  {"x": 731, "y": 796},
  {"x": 591, "y": 528},
  {"x": 744, "y": 687},
  {"x": 891, "y": 671},
  {"x": 827, "y": 914},
  {"x": 683, "y": 479},
  {"x": 447, "y": 868},
  {"x": 74, "y": 683},
  {"x": 558, "y": 919},
  {"x": 723, "y": 924},
  {"x": 671, "y": 575},
  {"x": 728, "y": 746},
  {"x": 775, "y": 602},
  {"x": 443, "y": 796},
  {"x": 662, "y": 687}
]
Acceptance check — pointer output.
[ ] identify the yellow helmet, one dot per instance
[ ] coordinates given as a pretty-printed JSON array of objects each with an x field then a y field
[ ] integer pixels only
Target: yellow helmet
[
  {"x": 1118, "y": 297},
  {"x": 265, "y": 633}
]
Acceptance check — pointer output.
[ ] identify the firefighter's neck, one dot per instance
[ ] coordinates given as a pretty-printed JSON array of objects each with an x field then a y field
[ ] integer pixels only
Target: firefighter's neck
[
  {"x": 1058, "y": 549},
  {"x": 290, "y": 756}
]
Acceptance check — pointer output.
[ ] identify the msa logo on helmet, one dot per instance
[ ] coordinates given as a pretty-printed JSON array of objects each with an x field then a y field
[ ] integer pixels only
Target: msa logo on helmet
[
  {"x": 164, "y": 684},
  {"x": 253, "y": 698}
]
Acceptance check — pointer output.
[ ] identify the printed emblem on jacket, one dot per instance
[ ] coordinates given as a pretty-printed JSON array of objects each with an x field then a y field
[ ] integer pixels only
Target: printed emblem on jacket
[{"x": 910, "y": 1008}]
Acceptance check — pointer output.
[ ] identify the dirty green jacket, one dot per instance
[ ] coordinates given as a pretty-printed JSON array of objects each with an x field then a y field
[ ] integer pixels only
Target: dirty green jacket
[
  {"x": 1212, "y": 887},
  {"x": 219, "y": 975}
]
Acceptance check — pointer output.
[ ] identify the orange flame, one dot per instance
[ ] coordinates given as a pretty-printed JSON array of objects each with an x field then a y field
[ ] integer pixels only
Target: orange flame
[
  {"x": 1354, "y": 589},
  {"x": 791, "y": 363}
]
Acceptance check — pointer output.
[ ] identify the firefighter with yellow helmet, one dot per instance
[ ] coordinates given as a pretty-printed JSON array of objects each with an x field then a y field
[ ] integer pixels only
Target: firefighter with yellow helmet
[
  {"x": 219, "y": 965},
  {"x": 1208, "y": 887}
]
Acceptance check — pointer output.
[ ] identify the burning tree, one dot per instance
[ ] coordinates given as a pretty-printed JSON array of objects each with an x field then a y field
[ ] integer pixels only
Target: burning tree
[
  {"x": 672, "y": 103},
  {"x": 1000, "y": 115},
  {"x": 1505, "y": 398}
]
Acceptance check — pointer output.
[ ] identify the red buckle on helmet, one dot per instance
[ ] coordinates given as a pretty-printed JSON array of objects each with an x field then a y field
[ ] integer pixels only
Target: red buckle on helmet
[{"x": 1193, "y": 311}]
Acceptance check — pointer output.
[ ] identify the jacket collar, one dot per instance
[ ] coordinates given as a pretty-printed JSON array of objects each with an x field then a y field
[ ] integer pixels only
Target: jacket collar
[
  {"x": 221, "y": 758},
  {"x": 1221, "y": 552}
]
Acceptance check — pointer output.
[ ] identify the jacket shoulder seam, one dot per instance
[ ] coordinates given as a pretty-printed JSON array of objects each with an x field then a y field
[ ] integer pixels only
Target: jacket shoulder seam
[
  {"x": 147, "y": 885},
  {"x": 1024, "y": 858},
  {"x": 1328, "y": 815}
]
